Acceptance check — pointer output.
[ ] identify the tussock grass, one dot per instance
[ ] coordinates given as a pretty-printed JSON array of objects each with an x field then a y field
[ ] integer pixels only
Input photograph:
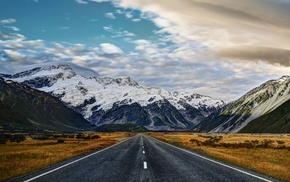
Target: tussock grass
[
  {"x": 264, "y": 153},
  {"x": 33, "y": 154}
]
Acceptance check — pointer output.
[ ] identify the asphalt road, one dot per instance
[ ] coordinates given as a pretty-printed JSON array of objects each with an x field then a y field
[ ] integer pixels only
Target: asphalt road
[{"x": 142, "y": 158}]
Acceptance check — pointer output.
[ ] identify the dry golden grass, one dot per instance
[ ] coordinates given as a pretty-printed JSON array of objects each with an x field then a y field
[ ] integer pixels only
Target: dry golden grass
[
  {"x": 21, "y": 158},
  {"x": 268, "y": 160}
]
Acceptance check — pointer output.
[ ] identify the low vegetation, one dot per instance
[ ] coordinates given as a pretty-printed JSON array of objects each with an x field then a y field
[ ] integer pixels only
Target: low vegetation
[
  {"x": 24, "y": 153},
  {"x": 263, "y": 153}
]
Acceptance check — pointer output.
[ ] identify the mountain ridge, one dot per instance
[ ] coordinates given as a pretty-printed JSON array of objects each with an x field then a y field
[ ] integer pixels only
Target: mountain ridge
[
  {"x": 259, "y": 101},
  {"x": 94, "y": 97},
  {"x": 22, "y": 107}
]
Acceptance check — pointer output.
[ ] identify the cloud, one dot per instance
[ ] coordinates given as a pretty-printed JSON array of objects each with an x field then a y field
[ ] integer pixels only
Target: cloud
[
  {"x": 136, "y": 20},
  {"x": 100, "y": 1},
  {"x": 119, "y": 11},
  {"x": 267, "y": 54},
  {"x": 16, "y": 29},
  {"x": 219, "y": 24},
  {"x": 8, "y": 21},
  {"x": 108, "y": 48},
  {"x": 110, "y": 15},
  {"x": 81, "y": 1},
  {"x": 222, "y": 48},
  {"x": 129, "y": 15},
  {"x": 118, "y": 33}
]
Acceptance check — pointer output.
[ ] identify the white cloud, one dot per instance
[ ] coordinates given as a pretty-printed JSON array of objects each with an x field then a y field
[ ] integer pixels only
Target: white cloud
[
  {"x": 15, "y": 55},
  {"x": 16, "y": 29},
  {"x": 81, "y": 1},
  {"x": 118, "y": 33},
  {"x": 129, "y": 15},
  {"x": 8, "y": 21},
  {"x": 110, "y": 15},
  {"x": 162, "y": 22},
  {"x": 100, "y": 1},
  {"x": 220, "y": 23},
  {"x": 119, "y": 11},
  {"x": 108, "y": 48},
  {"x": 136, "y": 20}
]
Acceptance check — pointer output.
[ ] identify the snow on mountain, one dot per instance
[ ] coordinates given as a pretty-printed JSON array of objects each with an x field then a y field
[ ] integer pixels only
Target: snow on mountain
[
  {"x": 98, "y": 98},
  {"x": 259, "y": 101}
]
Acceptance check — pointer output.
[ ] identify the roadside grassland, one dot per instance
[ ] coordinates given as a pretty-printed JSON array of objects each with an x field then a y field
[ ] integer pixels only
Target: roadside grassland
[
  {"x": 35, "y": 151},
  {"x": 264, "y": 153}
]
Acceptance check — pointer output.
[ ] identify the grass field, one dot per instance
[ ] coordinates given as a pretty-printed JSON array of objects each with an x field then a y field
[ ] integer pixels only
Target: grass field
[
  {"x": 39, "y": 151},
  {"x": 266, "y": 154}
]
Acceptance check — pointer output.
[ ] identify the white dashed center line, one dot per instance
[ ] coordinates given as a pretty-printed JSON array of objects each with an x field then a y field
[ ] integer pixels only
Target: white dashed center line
[
  {"x": 143, "y": 152},
  {"x": 145, "y": 165}
]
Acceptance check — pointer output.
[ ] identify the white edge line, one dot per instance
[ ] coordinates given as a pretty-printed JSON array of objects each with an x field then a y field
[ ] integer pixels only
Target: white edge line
[
  {"x": 236, "y": 169},
  {"x": 75, "y": 161}
]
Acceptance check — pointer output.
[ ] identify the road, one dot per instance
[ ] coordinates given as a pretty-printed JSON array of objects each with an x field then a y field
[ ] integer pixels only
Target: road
[{"x": 142, "y": 158}]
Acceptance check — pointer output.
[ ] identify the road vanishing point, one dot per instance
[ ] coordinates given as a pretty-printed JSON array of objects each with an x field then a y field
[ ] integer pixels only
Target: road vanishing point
[{"x": 142, "y": 158}]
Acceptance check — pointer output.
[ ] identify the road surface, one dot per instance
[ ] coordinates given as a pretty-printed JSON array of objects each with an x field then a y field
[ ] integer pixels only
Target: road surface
[{"x": 142, "y": 158}]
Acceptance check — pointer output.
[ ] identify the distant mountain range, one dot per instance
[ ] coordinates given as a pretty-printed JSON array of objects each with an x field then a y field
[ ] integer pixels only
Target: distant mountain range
[
  {"x": 120, "y": 100},
  {"x": 109, "y": 101}
]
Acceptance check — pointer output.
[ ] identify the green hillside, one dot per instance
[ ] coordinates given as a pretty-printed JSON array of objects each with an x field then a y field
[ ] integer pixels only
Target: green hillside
[{"x": 22, "y": 107}]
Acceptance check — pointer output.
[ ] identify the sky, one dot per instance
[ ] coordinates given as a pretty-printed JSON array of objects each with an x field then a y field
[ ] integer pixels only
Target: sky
[{"x": 220, "y": 48}]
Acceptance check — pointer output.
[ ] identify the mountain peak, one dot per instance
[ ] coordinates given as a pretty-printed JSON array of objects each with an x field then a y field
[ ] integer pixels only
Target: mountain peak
[
  {"x": 283, "y": 78},
  {"x": 127, "y": 81}
]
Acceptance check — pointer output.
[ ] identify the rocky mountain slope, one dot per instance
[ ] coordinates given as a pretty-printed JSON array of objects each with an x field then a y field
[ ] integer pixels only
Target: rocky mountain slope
[
  {"x": 248, "y": 112},
  {"x": 24, "y": 108},
  {"x": 277, "y": 121},
  {"x": 119, "y": 100}
]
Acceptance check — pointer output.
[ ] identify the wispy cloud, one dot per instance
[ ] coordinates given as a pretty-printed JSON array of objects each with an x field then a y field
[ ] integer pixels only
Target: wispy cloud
[
  {"x": 16, "y": 29},
  {"x": 108, "y": 48},
  {"x": 118, "y": 33},
  {"x": 64, "y": 28},
  {"x": 110, "y": 15},
  {"x": 100, "y": 1},
  {"x": 129, "y": 15},
  {"x": 249, "y": 23},
  {"x": 136, "y": 20},
  {"x": 81, "y": 1},
  {"x": 8, "y": 21}
]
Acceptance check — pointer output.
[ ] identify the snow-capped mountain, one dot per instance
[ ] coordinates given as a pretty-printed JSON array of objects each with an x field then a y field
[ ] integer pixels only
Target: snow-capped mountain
[
  {"x": 119, "y": 100},
  {"x": 256, "y": 103}
]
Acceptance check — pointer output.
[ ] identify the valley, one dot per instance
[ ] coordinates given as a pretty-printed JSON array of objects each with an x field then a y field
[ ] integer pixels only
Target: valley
[{"x": 50, "y": 114}]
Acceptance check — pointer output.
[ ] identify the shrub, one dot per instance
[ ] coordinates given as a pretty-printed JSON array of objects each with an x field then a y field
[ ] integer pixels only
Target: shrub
[
  {"x": 4, "y": 138},
  {"x": 80, "y": 135},
  {"x": 17, "y": 138},
  {"x": 194, "y": 141},
  {"x": 280, "y": 142},
  {"x": 95, "y": 137},
  {"x": 60, "y": 140},
  {"x": 41, "y": 137},
  {"x": 266, "y": 143}
]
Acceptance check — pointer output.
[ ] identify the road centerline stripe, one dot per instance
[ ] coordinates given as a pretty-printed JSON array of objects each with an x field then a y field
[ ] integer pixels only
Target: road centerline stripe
[{"x": 145, "y": 165}]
